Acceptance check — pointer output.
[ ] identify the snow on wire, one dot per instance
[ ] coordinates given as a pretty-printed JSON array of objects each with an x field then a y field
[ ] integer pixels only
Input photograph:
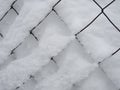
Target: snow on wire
[{"x": 52, "y": 6}]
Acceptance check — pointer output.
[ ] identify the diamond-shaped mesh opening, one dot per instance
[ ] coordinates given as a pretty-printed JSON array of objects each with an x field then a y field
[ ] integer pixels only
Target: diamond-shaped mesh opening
[{"x": 59, "y": 45}]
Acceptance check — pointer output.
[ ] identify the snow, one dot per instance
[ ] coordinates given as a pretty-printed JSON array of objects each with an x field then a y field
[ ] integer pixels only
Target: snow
[
  {"x": 7, "y": 22},
  {"x": 112, "y": 67},
  {"x": 103, "y": 3},
  {"x": 18, "y": 5},
  {"x": 100, "y": 41},
  {"x": 75, "y": 68},
  {"x": 52, "y": 42},
  {"x": 47, "y": 70},
  {"x": 74, "y": 47},
  {"x": 56, "y": 60},
  {"x": 30, "y": 15},
  {"x": 75, "y": 13},
  {"x": 26, "y": 48},
  {"x": 113, "y": 13},
  {"x": 96, "y": 81},
  {"x": 5, "y": 6}
]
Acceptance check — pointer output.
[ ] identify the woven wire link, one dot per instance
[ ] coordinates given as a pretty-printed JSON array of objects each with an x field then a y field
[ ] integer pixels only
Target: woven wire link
[{"x": 76, "y": 35}]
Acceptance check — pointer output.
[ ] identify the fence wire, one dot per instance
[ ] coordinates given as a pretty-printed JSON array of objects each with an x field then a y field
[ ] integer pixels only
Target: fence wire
[{"x": 76, "y": 35}]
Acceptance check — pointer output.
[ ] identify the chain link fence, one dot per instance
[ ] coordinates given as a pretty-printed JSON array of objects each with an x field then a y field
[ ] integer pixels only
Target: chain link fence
[{"x": 102, "y": 12}]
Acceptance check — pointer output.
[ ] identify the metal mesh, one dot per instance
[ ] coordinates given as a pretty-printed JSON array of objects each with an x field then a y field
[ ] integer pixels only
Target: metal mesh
[{"x": 102, "y": 12}]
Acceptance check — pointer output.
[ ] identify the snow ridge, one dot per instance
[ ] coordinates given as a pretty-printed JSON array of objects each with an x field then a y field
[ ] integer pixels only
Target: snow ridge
[
  {"x": 19, "y": 71},
  {"x": 30, "y": 15}
]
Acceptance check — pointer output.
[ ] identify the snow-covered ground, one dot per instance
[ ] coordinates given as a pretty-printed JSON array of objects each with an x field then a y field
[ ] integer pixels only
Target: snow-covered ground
[{"x": 59, "y": 45}]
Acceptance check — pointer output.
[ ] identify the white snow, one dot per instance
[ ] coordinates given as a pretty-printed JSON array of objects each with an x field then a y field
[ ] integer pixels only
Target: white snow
[
  {"x": 7, "y": 22},
  {"x": 74, "y": 68},
  {"x": 113, "y": 12},
  {"x": 18, "y": 5},
  {"x": 30, "y": 15},
  {"x": 5, "y": 6},
  {"x": 112, "y": 67},
  {"x": 74, "y": 65},
  {"x": 27, "y": 46},
  {"x": 18, "y": 71},
  {"x": 100, "y": 41},
  {"x": 77, "y": 13},
  {"x": 103, "y": 3},
  {"x": 46, "y": 71},
  {"x": 98, "y": 80},
  {"x": 97, "y": 47}
]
